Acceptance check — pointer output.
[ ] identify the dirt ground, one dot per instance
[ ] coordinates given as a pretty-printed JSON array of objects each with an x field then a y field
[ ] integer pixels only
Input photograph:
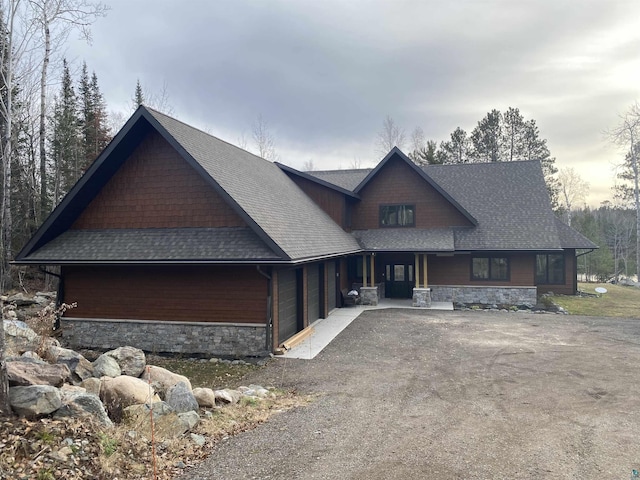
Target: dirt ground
[{"x": 450, "y": 395}]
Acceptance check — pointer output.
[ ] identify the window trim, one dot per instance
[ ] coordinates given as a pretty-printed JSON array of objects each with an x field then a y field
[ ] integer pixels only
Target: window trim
[
  {"x": 546, "y": 278},
  {"x": 490, "y": 277},
  {"x": 412, "y": 206}
]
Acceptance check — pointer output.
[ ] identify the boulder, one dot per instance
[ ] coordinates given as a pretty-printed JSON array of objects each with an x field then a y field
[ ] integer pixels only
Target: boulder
[
  {"x": 190, "y": 419},
  {"x": 181, "y": 398},
  {"x": 205, "y": 397},
  {"x": 83, "y": 405},
  {"x": 227, "y": 396},
  {"x": 19, "y": 338},
  {"x": 31, "y": 355},
  {"x": 130, "y": 359},
  {"x": 23, "y": 373},
  {"x": 163, "y": 379},
  {"x": 106, "y": 366},
  {"x": 91, "y": 385},
  {"x": 34, "y": 400},
  {"x": 120, "y": 392},
  {"x": 80, "y": 367},
  {"x": 254, "y": 391},
  {"x": 20, "y": 300},
  {"x": 142, "y": 410}
]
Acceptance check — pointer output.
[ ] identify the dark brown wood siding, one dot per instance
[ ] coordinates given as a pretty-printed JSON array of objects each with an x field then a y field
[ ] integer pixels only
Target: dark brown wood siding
[
  {"x": 332, "y": 202},
  {"x": 456, "y": 270},
  {"x": 156, "y": 188},
  {"x": 179, "y": 293},
  {"x": 397, "y": 183},
  {"x": 570, "y": 285},
  {"x": 313, "y": 293},
  {"x": 287, "y": 304},
  {"x": 330, "y": 269}
]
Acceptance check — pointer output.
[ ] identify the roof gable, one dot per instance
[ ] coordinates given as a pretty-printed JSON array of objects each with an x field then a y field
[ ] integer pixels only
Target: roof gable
[
  {"x": 279, "y": 213},
  {"x": 396, "y": 153}
]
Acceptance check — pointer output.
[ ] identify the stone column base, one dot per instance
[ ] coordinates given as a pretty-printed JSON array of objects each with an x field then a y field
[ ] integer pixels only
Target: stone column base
[
  {"x": 421, "y": 297},
  {"x": 369, "y": 295}
]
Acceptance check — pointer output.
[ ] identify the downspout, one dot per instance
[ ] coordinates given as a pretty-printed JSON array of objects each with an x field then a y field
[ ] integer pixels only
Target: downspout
[
  {"x": 269, "y": 332},
  {"x": 59, "y": 293}
]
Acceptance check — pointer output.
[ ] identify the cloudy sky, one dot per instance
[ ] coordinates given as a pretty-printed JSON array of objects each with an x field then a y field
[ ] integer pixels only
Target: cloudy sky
[{"x": 324, "y": 74}]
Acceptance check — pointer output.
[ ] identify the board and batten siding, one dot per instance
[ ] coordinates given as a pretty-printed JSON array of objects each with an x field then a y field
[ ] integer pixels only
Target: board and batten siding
[
  {"x": 172, "y": 293},
  {"x": 157, "y": 188},
  {"x": 313, "y": 293},
  {"x": 331, "y": 284},
  {"x": 287, "y": 304}
]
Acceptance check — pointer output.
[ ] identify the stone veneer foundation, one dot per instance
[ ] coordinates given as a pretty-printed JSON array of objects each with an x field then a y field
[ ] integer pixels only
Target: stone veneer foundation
[
  {"x": 369, "y": 295},
  {"x": 222, "y": 339},
  {"x": 488, "y": 295},
  {"x": 421, "y": 297}
]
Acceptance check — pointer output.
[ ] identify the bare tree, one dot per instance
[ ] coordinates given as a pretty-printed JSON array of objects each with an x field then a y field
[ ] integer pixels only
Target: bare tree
[
  {"x": 573, "y": 189},
  {"x": 308, "y": 166},
  {"x": 56, "y": 19},
  {"x": 390, "y": 136},
  {"x": 627, "y": 135},
  {"x": 242, "y": 141},
  {"x": 264, "y": 141}
]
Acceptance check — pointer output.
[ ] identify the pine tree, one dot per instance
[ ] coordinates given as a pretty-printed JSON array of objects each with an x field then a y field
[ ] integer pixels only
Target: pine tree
[
  {"x": 138, "y": 96},
  {"x": 93, "y": 115},
  {"x": 66, "y": 153}
]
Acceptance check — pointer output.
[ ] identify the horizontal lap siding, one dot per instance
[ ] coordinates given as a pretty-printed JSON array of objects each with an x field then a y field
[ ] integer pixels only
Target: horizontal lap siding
[
  {"x": 156, "y": 188},
  {"x": 189, "y": 294},
  {"x": 456, "y": 270},
  {"x": 397, "y": 183}
]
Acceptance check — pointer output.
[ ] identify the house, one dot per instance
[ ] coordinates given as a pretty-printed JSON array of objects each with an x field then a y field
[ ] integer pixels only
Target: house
[{"x": 176, "y": 241}]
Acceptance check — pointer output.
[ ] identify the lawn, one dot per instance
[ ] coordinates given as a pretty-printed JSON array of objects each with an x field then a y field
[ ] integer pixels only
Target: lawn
[{"x": 619, "y": 301}]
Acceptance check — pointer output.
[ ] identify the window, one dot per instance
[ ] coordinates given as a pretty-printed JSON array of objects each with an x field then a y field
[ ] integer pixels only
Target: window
[
  {"x": 490, "y": 268},
  {"x": 550, "y": 269},
  {"x": 397, "y": 215}
]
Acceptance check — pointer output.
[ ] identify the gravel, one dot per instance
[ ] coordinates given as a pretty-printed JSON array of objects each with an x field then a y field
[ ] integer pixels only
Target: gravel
[{"x": 450, "y": 395}]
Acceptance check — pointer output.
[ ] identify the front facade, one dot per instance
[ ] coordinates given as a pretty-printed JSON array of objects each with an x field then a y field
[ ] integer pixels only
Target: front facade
[{"x": 175, "y": 241}]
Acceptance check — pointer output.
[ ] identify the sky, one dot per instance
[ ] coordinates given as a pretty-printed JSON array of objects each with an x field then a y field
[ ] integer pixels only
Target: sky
[{"x": 325, "y": 74}]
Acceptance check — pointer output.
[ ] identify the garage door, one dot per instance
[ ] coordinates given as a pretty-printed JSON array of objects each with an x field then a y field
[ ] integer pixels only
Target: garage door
[
  {"x": 331, "y": 285},
  {"x": 313, "y": 293},
  {"x": 287, "y": 304}
]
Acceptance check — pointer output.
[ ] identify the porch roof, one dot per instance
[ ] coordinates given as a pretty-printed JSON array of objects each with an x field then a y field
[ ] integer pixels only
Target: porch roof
[{"x": 406, "y": 240}]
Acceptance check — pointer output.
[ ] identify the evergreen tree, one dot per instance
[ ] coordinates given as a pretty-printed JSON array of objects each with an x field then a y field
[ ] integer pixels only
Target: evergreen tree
[
  {"x": 66, "y": 153},
  {"x": 457, "y": 149},
  {"x": 93, "y": 117},
  {"x": 138, "y": 96},
  {"x": 487, "y": 137}
]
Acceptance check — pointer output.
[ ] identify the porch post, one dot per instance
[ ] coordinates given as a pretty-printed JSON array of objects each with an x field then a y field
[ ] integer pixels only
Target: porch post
[
  {"x": 416, "y": 273},
  {"x": 424, "y": 270},
  {"x": 364, "y": 270},
  {"x": 373, "y": 270}
]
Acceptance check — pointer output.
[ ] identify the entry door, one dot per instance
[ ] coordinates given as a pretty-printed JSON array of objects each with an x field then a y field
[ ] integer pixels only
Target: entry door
[{"x": 399, "y": 280}]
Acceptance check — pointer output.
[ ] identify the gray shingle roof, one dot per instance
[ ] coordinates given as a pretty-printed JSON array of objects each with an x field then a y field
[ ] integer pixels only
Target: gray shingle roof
[
  {"x": 299, "y": 227},
  {"x": 406, "y": 239},
  {"x": 154, "y": 245},
  {"x": 347, "y": 179},
  {"x": 570, "y": 238}
]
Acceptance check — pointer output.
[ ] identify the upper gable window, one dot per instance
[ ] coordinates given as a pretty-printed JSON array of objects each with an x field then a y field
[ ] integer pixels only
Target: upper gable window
[{"x": 397, "y": 215}]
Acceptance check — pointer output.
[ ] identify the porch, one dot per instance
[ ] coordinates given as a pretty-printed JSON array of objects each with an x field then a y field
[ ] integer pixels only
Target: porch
[{"x": 326, "y": 329}]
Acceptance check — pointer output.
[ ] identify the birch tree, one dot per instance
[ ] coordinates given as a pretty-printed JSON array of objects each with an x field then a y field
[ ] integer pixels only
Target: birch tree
[
  {"x": 56, "y": 19},
  {"x": 627, "y": 135},
  {"x": 391, "y": 135},
  {"x": 265, "y": 143},
  {"x": 573, "y": 189}
]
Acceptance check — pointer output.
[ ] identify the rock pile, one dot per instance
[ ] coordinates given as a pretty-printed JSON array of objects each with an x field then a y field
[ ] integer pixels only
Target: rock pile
[{"x": 118, "y": 385}]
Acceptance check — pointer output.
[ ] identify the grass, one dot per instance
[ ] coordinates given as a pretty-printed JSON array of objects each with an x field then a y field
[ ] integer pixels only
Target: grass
[
  {"x": 619, "y": 301},
  {"x": 205, "y": 374}
]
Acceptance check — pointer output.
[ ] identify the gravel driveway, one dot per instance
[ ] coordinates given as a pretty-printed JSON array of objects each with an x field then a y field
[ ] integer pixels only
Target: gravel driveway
[{"x": 407, "y": 394}]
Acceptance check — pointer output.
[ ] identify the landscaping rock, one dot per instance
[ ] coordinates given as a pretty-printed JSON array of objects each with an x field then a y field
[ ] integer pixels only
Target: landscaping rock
[
  {"x": 181, "y": 398},
  {"x": 23, "y": 373},
  {"x": 20, "y": 300},
  {"x": 205, "y": 397},
  {"x": 199, "y": 440},
  {"x": 32, "y": 356},
  {"x": 163, "y": 379},
  {"x": 82, "y": 405},
  {"x": 106, "y": 366},
  {"x": 91, "y": 385},
  {"x": 19, "y": 338},
  {"x": 120, "y": 392},
  {"x": 34, "y": 400},
  {"x": 80, "y": 367},
  {"x": 131, "y": 360},
  {"x": 227, "y": 396},
  {"x": 189, "y": 419},
  {"x": 142, "y": 410}
]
